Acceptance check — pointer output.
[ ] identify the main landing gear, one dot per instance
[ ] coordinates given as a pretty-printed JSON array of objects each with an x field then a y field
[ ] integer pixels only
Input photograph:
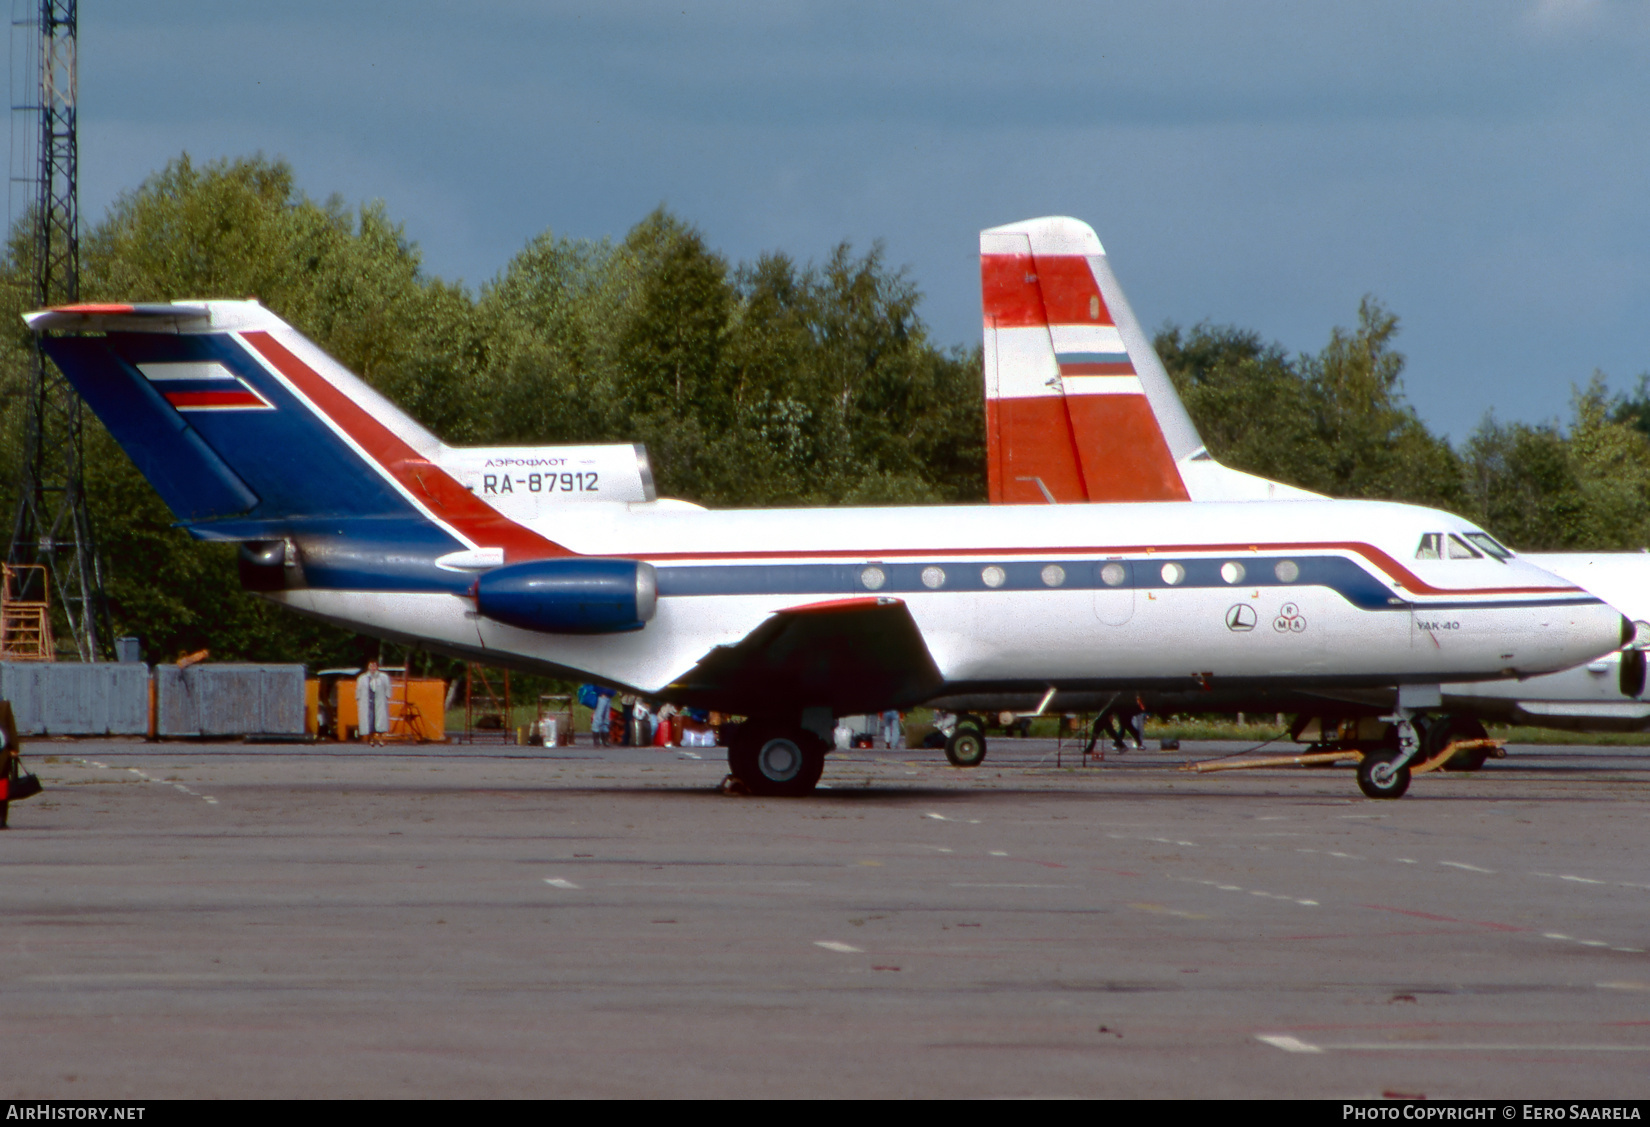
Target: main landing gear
[
  {"x": 965, "y": 747},
  {"x": 775, "y": 758},
  {"x": 1441, "y": 731}
]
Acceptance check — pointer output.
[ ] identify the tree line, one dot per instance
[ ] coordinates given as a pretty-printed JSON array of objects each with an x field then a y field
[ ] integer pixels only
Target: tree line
[
  {"x": 1336, "y": 422},
  {"x": 770, "y": 382}
]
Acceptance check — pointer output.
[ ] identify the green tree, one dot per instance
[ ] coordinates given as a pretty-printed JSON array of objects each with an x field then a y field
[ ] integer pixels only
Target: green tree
[{"x": 1335, "y": 422}]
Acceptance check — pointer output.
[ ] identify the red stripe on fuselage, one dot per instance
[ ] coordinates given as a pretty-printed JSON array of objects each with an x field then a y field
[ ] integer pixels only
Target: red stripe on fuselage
[{"x": 448, "y": 501}]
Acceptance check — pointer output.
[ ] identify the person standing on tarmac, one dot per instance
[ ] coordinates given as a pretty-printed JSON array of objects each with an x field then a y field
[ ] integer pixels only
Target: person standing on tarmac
[
  {"x": 372, "y": 704},
  {"x": 891, "y": 733}
]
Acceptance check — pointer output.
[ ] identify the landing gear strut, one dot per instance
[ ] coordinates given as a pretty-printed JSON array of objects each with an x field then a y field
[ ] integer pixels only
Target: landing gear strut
[
  {"x": 776, "y": 759},
  {"x": 1384, "y": 772}
]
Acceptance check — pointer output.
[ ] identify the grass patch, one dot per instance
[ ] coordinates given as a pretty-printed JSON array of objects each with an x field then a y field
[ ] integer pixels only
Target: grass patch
[{"x": 1517, "y": 734}]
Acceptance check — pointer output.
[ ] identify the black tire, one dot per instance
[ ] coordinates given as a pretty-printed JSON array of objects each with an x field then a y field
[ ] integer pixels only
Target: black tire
[
  {"x": 966, "y": 747},
  {"x": 1376, "y": 778},
  {"x": 1445, "y": 729},
  {"x": 776, "y": 761}
]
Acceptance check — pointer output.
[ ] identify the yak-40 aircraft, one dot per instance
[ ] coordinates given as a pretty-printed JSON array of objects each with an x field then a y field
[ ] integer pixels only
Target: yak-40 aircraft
[
  {"x": 560, "y": 560},
  {"x": 1080, "y": 409}
]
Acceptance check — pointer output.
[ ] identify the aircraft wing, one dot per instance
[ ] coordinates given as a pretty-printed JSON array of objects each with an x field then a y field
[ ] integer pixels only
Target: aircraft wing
[{"x": 853, "y": 655}]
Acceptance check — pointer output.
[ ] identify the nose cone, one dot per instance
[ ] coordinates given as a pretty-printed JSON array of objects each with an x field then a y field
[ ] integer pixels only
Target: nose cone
[{"x": 1568, "y": 633}]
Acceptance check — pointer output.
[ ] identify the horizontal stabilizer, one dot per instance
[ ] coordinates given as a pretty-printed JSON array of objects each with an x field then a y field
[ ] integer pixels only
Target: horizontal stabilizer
[
  {"x": 110, "y": 317},
  {"x": 851, "y": 655}
]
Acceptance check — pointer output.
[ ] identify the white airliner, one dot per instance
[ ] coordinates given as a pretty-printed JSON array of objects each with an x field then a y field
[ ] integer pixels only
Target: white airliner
[
  {"x": 1080, "y": 409},
  {"x": 350, "y": 511}
]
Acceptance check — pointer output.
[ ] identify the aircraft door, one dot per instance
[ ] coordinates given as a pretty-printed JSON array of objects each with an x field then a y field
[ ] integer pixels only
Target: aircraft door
[{"x": 1114, "y": 591}]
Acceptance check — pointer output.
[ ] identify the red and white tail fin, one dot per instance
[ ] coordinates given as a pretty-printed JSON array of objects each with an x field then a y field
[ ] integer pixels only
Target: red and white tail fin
[{"x": 1078, "y": 405}]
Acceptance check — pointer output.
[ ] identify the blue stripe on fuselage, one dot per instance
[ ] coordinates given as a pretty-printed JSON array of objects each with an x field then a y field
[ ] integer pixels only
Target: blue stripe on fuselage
[{"x": 1341, "y": 575}]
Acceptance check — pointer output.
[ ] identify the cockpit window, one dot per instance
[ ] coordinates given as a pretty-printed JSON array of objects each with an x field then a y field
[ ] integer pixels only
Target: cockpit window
[
  {"x": 1459, "y": 549},
  {"x": 1450, "y": 546},
  {"x": 1490, "y": 546}
]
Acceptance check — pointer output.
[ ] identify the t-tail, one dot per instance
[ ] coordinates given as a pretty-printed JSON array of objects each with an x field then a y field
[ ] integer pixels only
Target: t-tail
[
  {"x": 249, "y": 432},
  {"x": 1078, "y": 405}
]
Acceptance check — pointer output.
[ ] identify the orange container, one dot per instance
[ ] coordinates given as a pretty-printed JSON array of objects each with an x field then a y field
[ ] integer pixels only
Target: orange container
[{"x": 417, "y": 710}]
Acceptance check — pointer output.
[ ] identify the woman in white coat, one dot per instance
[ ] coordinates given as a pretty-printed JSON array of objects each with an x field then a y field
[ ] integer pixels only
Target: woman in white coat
[{"x": 372, "y": 704}]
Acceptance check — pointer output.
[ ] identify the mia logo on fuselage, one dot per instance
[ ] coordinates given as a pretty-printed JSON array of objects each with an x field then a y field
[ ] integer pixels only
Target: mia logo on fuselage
[{"x": 1290, "y": 620}]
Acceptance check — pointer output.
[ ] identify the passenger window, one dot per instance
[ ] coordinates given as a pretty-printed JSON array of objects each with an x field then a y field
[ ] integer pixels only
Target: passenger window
[
  {"x": 1459, "y": 549},
  {"x": 1429, "y": 546}
]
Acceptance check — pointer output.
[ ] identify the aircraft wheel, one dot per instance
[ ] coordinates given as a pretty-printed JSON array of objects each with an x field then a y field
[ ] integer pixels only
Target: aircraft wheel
[
  {"x": 1446, "y": 728},
  {"x": 1378, "y": 778},
  {"x": 966, "y": 747},
  {"x": 776, "y": 761}
]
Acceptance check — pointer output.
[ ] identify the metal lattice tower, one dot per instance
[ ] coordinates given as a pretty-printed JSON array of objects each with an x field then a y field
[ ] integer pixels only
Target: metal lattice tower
[{"x": 51, "y": 525}]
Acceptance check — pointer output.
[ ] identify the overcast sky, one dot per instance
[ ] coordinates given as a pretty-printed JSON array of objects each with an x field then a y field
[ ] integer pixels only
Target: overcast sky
[{"x": 1480, "y": 167}]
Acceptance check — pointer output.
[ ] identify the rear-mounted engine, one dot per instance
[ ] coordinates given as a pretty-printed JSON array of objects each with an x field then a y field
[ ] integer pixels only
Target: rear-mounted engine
[{"x": 570, "y": 596}]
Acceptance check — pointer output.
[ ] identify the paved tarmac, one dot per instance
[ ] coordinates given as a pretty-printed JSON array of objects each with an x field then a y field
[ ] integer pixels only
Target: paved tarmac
[{"x": 221, "y": 920}]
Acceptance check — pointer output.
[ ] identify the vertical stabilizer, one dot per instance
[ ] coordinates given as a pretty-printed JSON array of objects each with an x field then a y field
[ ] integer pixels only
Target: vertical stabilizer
[
  {"x": 1075, "y": 410},
  {"x": 1078, "y": 405}
]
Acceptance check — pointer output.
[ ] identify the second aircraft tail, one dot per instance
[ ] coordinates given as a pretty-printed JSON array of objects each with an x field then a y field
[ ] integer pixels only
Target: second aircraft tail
[{"x": 1078, "y": 405}]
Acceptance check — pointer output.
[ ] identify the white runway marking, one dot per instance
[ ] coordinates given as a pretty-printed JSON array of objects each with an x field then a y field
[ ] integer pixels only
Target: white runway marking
[
  {"x": 1295, "y": 1045},
  {"x": 689, "y": 755},
  {"x": 937, "y": 817},
  {"x": 558, "y": 882},
  {"x": 1287, "y": 1043},
  {"x": 1467, "y": 867},
  {"x": 1250, "y": 891},
  {"x": 998, "y": 853},
  {"x": 843, "y": 948},
  {"x": 206, "y": 798},
  {"x": 1590, "y": 880},
  {"x": 1562, "y": 938}
]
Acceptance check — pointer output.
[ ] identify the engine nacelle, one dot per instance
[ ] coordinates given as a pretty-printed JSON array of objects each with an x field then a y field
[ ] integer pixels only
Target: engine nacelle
[{"x": 582, "y": 595}]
